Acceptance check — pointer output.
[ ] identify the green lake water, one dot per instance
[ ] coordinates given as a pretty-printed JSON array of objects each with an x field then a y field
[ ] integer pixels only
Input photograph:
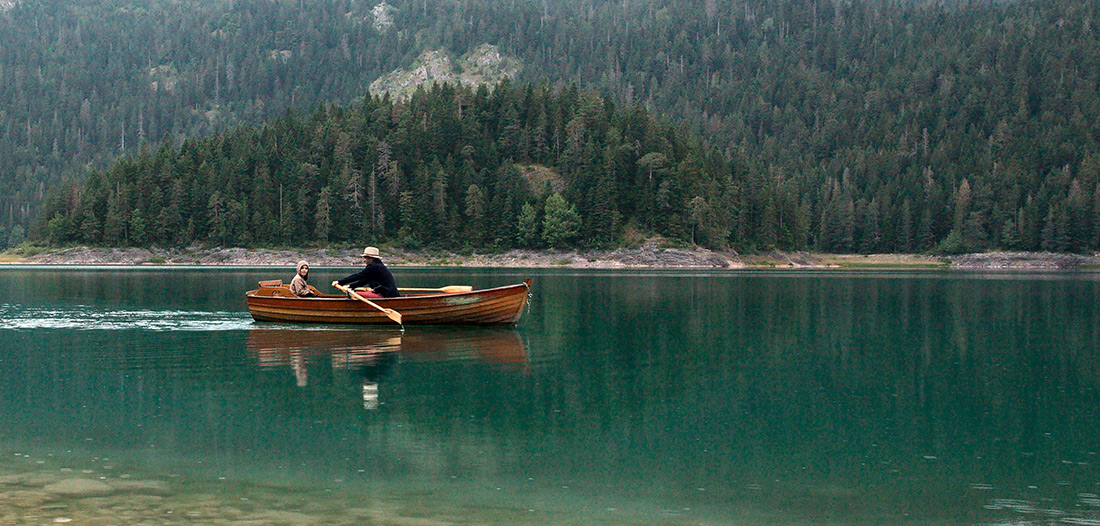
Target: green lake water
[{"x": 149, "y": 396}]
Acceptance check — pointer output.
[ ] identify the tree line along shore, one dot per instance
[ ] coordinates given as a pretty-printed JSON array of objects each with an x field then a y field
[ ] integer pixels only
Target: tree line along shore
[{"x": 523, "y": 167}]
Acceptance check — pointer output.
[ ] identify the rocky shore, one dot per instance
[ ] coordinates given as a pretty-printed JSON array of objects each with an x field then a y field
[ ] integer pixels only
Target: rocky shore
[
  {"x": 650, "y": 255},
  {"x": 1025, "y": 261}
]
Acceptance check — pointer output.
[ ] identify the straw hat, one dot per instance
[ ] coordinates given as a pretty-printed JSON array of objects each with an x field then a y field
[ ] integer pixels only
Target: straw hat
[{"x": 370, "y": 252}]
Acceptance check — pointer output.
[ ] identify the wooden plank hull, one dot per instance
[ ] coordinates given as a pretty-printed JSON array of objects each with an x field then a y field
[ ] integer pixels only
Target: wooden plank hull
[{"x": 497, "y": 306}]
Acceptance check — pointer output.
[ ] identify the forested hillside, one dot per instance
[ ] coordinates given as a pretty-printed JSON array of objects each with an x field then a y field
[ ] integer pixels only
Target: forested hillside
[
  {"x": 888, "y": 125},
  {"x": 524, "y": 166},
  {"x": 85, "y": 82},
  {"x": 867, "y": 125}
]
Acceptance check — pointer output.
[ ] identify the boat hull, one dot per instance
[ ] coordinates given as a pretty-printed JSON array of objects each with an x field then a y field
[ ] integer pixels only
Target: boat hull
[{"x": 497, "y": 306}]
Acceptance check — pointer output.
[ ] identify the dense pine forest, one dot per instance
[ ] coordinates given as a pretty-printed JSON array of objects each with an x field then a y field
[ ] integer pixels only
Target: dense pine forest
[
  {"x": 845, "y": 126},
  {"x": 454, "y": 167}
]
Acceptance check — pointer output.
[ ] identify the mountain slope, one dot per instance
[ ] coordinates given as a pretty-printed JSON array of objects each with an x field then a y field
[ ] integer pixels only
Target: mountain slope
[{"x": 868, "y": 125}]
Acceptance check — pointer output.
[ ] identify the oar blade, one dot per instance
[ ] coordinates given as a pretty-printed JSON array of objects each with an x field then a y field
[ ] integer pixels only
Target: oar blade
[
  {"x": 455, "y": 289},
  {"x": 449, "y": 289},
  {"x": 393, "y": 315}
]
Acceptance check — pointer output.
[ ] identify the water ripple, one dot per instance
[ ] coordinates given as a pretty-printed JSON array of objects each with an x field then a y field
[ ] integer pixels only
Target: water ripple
[{"x": 84, "y": 317}]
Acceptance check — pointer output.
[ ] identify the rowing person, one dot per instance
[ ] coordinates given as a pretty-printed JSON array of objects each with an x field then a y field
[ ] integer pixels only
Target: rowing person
[{"x": 375, "y": 276}]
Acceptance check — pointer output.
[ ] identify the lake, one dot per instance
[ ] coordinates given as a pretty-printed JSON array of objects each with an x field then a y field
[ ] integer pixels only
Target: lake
[{"x": 148, "y": 395}]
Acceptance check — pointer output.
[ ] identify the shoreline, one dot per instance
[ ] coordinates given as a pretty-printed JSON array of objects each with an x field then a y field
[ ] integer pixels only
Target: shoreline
[{"x": 648, "y": 256}]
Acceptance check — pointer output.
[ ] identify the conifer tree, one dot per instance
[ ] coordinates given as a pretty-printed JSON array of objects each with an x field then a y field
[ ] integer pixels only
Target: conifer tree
[
  {"x": 323, "y": 219},
  {"x": 560, "y": 222}
]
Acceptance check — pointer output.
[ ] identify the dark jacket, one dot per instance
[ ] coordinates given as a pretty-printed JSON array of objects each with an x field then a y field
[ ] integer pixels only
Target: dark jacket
[{"x": 374, "y": 276}]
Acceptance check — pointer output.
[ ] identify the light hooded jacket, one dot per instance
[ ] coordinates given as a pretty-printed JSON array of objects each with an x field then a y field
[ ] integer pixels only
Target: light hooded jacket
[{"x": 298, "y": 285}]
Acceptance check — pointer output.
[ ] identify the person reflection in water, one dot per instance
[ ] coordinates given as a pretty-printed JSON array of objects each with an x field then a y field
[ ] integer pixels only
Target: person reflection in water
[
  {"x": 298, "y": 363},
  {"x": 299, "y": 285},
  {"x": 370, "y": 373}
]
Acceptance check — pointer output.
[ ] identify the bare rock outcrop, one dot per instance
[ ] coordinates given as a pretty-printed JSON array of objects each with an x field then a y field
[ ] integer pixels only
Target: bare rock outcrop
[
  {"x": 1021, "y": 261},
  {"x": 654, "y": 256}
]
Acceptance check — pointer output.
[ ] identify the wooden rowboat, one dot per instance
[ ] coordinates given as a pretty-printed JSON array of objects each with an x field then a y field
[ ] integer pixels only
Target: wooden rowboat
[{"x": 273, "y": 301}]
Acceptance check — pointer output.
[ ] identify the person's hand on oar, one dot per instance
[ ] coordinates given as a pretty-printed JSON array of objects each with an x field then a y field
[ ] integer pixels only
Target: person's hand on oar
[
  {"x": 390, "y": 313},
  {"x": 336, "y": 284}
]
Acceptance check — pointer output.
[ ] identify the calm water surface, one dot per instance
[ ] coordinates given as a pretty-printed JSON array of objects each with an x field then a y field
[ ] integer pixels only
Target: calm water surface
[{"x": 150, "y": 396}]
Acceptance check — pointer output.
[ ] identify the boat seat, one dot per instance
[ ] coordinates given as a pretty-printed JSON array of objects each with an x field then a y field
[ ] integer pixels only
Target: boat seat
[
  {"x": 275, "y": 288},
  {"x": 283, "y": 291}
]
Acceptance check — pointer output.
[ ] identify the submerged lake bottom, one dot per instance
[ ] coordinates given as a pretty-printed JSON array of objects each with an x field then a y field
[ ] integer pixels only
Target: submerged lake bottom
[
  {"x": 138, "y": 396},
  {"x": 101, "y": 490}
]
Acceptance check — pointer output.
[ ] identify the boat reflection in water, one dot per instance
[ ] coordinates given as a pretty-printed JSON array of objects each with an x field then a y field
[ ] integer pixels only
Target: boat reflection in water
[{"x": 369, "y": 354}]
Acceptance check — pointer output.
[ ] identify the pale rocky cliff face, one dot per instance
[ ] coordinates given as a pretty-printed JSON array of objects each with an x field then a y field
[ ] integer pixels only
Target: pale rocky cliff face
[
  {"x": 383, "y": 16},
  {"x": 484, "y": 65}
]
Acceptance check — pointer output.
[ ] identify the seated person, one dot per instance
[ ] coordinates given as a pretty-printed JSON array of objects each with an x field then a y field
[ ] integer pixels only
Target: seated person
[
  {"x": 298, "y": 285},
  {"x": 375, "y": 276}
]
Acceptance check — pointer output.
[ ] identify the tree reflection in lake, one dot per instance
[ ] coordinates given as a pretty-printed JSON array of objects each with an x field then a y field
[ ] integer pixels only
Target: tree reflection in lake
[{"x": 683, "y": 398}]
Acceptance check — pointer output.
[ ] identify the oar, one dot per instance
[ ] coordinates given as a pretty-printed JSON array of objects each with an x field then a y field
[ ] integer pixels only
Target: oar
[
  {"x": 390, "y": 313},
  {"x": 449, "y": 289}
]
